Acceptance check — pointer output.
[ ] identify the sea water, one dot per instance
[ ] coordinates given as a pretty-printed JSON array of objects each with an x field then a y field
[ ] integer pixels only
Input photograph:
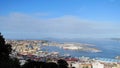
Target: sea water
[{"x": 110, "y": 48}]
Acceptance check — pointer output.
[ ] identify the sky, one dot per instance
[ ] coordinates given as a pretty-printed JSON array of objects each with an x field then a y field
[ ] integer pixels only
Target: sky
[{"x": 37, "y": 19}]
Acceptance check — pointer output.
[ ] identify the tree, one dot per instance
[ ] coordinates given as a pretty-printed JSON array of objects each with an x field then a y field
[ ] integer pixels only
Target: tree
[
  {"x": 5, "y": 49},
  {"x": 62, "y": 63},
  {"x": 5, "y": 60},
  {"x": 50, "y": 65},
  {"x": 34, "y": 64},
  {"x": 2, "y": 40},
  {"x": 85, "y": 67}
]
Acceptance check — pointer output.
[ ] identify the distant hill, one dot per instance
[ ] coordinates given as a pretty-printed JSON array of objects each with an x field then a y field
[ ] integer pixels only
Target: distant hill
[{"x": 117, "y": 39}]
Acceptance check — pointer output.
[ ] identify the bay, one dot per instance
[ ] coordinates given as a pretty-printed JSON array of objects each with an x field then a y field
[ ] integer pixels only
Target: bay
[{"x": 110, "y": 48}]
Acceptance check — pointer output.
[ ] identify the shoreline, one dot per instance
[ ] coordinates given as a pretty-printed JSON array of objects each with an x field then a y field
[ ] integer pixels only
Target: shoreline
[{"x": 76, "y": 46}]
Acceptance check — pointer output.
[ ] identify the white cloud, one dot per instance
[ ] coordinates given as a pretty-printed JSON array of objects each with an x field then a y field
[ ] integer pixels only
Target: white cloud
[{"x": 68, "y": 25}]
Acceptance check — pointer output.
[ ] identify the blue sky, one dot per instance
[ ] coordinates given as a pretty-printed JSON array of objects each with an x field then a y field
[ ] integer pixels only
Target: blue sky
[{"x": 24, "y": 19}]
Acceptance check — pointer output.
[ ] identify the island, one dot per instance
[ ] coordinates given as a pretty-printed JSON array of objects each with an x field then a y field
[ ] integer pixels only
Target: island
[{"x": 116, "y": 39}]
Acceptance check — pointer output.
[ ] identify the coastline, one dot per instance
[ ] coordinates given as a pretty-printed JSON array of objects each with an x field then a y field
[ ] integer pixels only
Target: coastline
[{"x": 76, "y": 46}]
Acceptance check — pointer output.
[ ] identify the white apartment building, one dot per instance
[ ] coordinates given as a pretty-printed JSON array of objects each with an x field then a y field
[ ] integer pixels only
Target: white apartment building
[{"x": 97, "y": 65}]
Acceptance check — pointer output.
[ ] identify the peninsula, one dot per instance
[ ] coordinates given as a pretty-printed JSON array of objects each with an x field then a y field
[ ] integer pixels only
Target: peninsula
[{"x": 75, "y": 46}]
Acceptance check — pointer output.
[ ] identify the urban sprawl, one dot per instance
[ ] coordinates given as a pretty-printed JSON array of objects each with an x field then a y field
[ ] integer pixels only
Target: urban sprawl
[{"x": 31, "y": 49}]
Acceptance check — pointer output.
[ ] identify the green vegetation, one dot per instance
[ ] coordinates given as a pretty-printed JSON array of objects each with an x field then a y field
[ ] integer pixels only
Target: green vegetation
[{"x": 5, "y": 60}]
